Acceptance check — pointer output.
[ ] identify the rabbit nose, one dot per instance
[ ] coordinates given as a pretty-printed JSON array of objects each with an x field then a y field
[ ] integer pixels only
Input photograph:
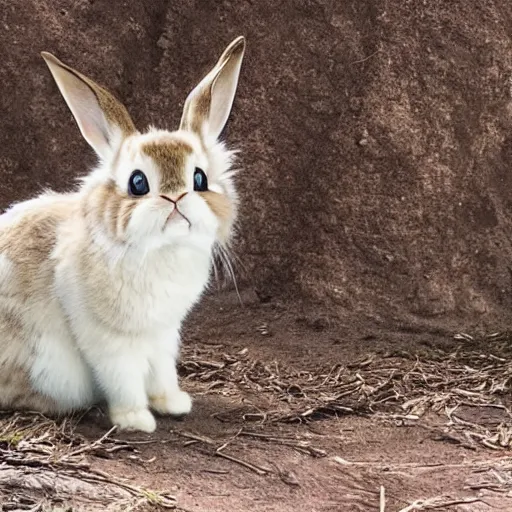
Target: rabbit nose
[{"x": 173, "y": 200}]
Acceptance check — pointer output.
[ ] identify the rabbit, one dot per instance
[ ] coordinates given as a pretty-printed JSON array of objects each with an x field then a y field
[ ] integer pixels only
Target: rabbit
[{"x": 95, "y": 283}]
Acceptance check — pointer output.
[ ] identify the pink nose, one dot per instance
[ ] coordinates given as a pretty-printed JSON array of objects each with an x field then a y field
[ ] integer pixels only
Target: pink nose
[{"x": 173, "y": 200}]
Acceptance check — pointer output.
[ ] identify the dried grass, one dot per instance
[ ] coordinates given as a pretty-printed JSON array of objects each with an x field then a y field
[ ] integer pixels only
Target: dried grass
[
  {"x": 438, "y": 502},
  {"x": 467, "y": 385},
  {"x": 489, "y": 477},
  {"x": 41, "y": 459}
]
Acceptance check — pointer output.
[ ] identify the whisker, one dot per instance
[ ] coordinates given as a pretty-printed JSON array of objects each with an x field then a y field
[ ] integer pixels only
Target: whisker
[
  {"x": 238, "y": 261},
  {"x": 219, "y": 264},
  {"x": 216, "y": 270},
  {"x": 224, "y": 257},
  {"x": 232, "y": 273}
]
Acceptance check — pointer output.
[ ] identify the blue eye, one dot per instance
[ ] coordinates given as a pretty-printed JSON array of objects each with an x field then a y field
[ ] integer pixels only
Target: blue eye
[
  {"x": 138, "y": 184},
  {"x": 200, "y": 180}
]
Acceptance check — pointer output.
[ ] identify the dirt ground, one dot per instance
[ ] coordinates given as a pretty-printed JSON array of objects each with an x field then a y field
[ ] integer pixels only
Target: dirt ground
[{"x": 291, "y": 413}]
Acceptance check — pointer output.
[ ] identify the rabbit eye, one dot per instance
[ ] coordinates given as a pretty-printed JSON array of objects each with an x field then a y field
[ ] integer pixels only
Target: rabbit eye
[
  {"x": 200, "y": 180},
  {"x": 138, "y": 184}
]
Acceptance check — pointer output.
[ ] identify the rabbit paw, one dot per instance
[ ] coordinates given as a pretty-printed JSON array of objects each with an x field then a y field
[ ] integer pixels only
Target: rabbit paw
[
  {"x": 133, "y": 419},
  {"x": 178, "y": 403}
]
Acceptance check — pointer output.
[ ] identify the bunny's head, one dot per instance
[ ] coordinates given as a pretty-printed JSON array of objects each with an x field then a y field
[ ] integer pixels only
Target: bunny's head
[{"x": 159, "y": 187}]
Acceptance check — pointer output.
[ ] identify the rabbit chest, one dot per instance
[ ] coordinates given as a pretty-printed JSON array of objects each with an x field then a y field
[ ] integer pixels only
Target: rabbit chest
[
  {"x": 133, "y": 294},
  {"x": 162, "y": 289}
]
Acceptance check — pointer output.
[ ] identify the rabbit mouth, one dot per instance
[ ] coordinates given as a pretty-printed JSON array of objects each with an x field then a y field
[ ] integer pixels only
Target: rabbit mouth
[{"x": 174, "y": 215}]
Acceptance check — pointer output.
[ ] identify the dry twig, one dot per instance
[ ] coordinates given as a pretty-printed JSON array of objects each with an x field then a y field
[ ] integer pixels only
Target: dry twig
[
  {"x": 41, "y": 457},
  {"x": 399, "y": 387}
]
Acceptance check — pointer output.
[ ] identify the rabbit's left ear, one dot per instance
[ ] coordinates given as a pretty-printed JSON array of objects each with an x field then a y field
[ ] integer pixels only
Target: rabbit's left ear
[
  {"x": 102, "y": 119},
  {"x": 207, "y": 107}
]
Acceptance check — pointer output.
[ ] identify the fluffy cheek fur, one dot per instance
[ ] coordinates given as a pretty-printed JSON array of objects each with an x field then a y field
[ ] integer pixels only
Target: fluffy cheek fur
[
  {"x": 126, "y": 219},
  {"x": 209, "y": 217},
  {"x": 148, "y": 221},
  {"x": 209, "y": 213}
]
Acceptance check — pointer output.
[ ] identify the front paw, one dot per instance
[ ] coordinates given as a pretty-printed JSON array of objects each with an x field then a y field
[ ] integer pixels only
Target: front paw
[
  {"x": 133, "y": 419},
  {"x": 178, "y": 403}
]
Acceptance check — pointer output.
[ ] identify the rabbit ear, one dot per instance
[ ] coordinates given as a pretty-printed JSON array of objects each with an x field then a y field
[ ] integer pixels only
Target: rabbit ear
[
  {"x": 100, "y": 117},
  {"x": 208, "y": 106}
]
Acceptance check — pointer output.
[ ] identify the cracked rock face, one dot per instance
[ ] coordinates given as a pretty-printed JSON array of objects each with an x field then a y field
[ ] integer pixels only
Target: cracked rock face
[{"x": 375, "y": 136}]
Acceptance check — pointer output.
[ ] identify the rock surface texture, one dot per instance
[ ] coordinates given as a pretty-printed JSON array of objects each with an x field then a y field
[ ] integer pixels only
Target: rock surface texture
[{"x": 376, "y": 136}]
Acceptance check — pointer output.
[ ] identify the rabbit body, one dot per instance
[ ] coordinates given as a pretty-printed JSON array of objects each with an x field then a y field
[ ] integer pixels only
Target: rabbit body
[
  {"x": 81, "y": 324},
  {"x": 95, "y": 284}
]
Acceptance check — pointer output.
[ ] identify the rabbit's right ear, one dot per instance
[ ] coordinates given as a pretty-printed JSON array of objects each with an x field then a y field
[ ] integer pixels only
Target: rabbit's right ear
[
  {"x": 208, "y": 106},
  {"x": 102, "y": 119}
]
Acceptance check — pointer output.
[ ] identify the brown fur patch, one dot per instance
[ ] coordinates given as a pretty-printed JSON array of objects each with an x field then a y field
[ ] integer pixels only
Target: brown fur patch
[
  {"x": 200, "y": 111},
  {"x": 223, "y": 209},
  {"x": 125, "y": 214},
  {"x": 170, "y": 156},
  {"x": 18, "y": 393},
  {"x": 107, "y": 206},
  {"x": 111, "y": 211},
  {"x": 29, "y": 242},
  {"x": 15, "y": 385}
]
